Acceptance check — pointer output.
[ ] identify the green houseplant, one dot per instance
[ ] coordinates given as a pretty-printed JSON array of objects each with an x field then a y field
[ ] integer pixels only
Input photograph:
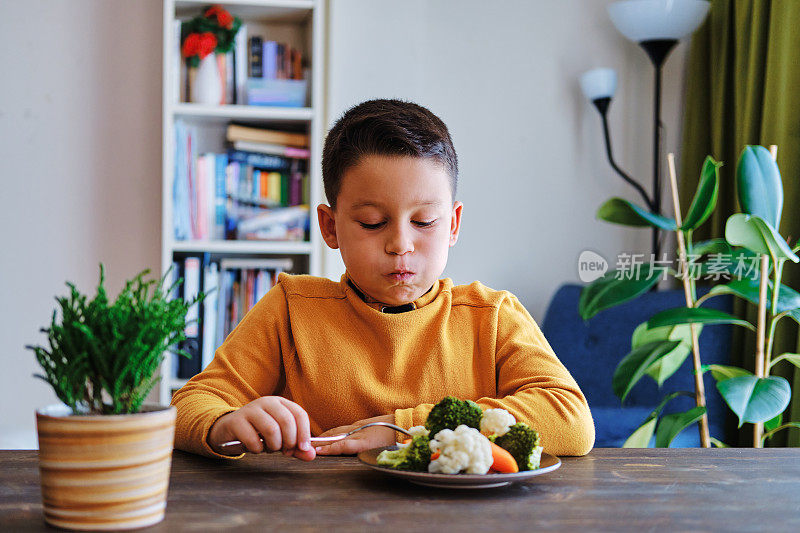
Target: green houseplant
[
  {"x": 661, "y": 344},
  {"x": 104, "y": 457}
]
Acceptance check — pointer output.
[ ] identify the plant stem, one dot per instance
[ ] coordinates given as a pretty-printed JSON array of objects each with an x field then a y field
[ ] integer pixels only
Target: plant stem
[
  {"x": 700, "y": 393},
  {"x": 758, "y": 428},
  {"x": 774, "y": 317}
]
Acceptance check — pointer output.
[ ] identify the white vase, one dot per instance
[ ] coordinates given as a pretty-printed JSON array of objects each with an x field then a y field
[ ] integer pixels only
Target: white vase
[{"x": 206, "y": 86}]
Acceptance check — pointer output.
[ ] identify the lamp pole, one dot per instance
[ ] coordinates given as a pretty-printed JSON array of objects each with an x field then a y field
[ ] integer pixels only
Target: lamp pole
[{"x": 657, "y": 50}]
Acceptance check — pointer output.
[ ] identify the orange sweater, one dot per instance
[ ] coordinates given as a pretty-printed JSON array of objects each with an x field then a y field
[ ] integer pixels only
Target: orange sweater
[{"x": 319, "y": 344}]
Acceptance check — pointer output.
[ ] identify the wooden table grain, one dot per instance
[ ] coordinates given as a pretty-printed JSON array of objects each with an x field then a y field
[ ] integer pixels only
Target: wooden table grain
[{"x": 608, "y": 490}]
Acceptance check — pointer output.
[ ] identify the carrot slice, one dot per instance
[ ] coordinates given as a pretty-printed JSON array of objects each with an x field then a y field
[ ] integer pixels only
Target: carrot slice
[
  {"x": 406, "y": 441},
  {"x": 435, "y": 455},
  {"x": 502, "y": 461}
]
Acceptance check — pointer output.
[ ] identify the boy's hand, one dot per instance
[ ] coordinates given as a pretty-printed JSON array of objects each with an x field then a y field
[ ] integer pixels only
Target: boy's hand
[
  {"x": 363, "y": 440},
  {"x": 282, "y": 423}
]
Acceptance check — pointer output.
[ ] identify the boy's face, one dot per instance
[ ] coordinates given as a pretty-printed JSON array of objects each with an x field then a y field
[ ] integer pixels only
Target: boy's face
[{"x": 394, "y": 223}]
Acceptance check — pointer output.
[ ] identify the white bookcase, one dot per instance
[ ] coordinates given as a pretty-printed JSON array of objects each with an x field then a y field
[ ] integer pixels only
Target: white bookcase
[{"x": 299, "y": 22}]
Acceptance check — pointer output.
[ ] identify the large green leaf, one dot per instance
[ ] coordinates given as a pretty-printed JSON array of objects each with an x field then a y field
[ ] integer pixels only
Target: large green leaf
[
  {"x": 773, "y": 423},
  {"x": 713, "y": 246},
  {"x": 669, "y": 364},
  {"x": 793, "y": 358},
  {"x": 620, "y": 211},
  {"x": 736, "y": 263},
  {"x": 755, "y": 234},
  {"x": 718, "y": 443},
  {"x": 723, "y": 372},
  {"x": 633, "y": 366},
  {"x": 694, "y": 315},
  {"x": 755, "y": 399},
  {"x": 759, "y": 185},
  {"x": 641, "y": 437},
  {"x": 705, "y": 198},
  {"x": 671, "y": 425},
  {"x": 608, "y": 291},
  {"x": 748, "y": 289}
]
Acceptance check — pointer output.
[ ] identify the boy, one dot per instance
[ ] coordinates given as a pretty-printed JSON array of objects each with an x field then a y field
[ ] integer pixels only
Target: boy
[{"x": 317, "y": 357}]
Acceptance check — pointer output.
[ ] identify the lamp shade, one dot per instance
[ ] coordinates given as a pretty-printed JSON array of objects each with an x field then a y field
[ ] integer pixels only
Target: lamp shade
[
  {"x": 599, "y": 83},
  {"x": 646, "y": 20}
]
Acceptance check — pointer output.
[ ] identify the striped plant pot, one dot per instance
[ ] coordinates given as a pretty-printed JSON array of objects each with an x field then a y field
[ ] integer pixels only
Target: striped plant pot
[{"x": 105, "y": 471}]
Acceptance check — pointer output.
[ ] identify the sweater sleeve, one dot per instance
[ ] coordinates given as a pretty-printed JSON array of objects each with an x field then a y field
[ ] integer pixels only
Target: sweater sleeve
[
  {"x": 247, "y": 366},
  {"x": 535, "y": 387},
  {"x": 532, "y": 385}
]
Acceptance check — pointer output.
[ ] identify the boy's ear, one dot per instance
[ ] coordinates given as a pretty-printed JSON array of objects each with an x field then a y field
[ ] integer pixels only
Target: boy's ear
[
  {"x": 455, "y": 222},
  {"x": 327, "y": 225}
]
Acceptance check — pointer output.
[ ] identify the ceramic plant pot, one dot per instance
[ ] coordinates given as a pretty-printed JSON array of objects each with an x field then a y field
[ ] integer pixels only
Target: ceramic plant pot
[
  {"x": 105, "y": 471},
  {"x": 207, "y": 85}
]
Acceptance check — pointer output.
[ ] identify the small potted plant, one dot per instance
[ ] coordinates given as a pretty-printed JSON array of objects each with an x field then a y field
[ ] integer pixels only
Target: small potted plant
[
  {"x": 205, "y": 41},
  {"x": 104, "y": 458}
]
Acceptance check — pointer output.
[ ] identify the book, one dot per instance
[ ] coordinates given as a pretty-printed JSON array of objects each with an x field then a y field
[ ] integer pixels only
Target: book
[
  {"x": 237, "y": 132},
  {"x": 286, "y": 223},
  {"x": 191, "y": 287},
  {"x": 272, "y": 149},
  {"x": 181, "y": 210},
  {"x": 255, "y": 57},
  {"x": 220, "y": 168},
  {"x": 175, "y": 292},
  {"x": 261, "y": 161},
  {"x": 240, "y": 65},
  {"x": 270, "y": 55},
  {"x": 210, "y": 286}
]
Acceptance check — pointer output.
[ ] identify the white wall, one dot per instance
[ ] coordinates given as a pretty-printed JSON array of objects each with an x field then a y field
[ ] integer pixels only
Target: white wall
[
  {"x": 80, "y": 143},
  {"x": 80, "y": 149}
]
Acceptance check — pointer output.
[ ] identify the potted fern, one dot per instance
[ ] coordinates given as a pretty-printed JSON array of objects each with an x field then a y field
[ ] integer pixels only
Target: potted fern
[{"x": 104, "y": 457}]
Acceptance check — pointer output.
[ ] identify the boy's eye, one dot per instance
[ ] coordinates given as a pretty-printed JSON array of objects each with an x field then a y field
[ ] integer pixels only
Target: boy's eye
[
  {"x": 418, "y": 223},
  {"x": 371, "y": 226}
]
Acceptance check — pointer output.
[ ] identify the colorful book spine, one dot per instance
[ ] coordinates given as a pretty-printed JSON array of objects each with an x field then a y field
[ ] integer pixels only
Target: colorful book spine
[
  {"x": 256, "y": 57},
  {"x": 263, "y": 161},
  {"x": 220, "y": 168},
  {"x": 270, "y": 55}
]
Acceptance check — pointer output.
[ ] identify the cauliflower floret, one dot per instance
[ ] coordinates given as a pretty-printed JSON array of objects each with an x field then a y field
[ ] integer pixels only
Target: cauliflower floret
[
  {"x": 462, "y": 449},
  {"x": 418, "y": 430},
  {"x": 496, "y": 422}
]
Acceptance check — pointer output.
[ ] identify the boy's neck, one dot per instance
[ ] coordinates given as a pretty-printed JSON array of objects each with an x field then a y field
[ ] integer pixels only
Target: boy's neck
[{"x": 384, "y": 308}]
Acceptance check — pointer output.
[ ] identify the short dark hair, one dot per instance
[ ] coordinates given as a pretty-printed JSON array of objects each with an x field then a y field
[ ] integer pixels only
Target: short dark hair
[{"x": 389, "y": 128}]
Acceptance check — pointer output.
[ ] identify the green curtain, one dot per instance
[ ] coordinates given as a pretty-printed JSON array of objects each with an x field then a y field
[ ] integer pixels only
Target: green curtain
[{"x": 743, "y": 82}]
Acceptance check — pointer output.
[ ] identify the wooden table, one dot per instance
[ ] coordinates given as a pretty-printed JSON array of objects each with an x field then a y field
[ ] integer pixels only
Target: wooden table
[{"x": 608, "y": 490}]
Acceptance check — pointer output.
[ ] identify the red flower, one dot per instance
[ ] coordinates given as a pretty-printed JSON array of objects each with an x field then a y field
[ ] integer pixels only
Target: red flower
[
  {"x": 191, "y": 45},
  {"x": 200, "y": 44},
  {"x": 224, "y": 19},
  {"x": 208, "y": 42}
]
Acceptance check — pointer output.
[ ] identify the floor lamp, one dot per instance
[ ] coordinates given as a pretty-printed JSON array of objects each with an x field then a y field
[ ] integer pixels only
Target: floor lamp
[{"x": 657, "y": 26}]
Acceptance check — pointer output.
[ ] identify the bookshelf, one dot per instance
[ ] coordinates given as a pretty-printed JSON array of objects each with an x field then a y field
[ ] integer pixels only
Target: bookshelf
[{"x": 300, "y": 23}]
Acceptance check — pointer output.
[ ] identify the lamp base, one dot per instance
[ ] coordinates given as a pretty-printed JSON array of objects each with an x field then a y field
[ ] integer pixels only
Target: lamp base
[{"x": 658, "y": 49}]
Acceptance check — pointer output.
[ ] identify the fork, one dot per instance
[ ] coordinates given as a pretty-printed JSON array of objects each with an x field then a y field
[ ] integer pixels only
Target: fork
[{"x": 328, "y": 440}]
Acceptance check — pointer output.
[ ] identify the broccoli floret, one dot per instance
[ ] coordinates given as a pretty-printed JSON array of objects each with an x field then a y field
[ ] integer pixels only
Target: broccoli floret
[
  {"x": 415, "y": 456},
  {"x": 451, "y": 412},
  {"x": 522, "y": 442}
]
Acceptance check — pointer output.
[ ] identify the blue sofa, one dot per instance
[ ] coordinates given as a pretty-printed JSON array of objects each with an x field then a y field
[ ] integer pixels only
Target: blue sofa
[{"x": 591, "y": 351}]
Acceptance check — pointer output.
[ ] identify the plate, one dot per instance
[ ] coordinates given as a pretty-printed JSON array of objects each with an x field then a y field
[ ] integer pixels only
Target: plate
[{"x": 548, "y": 463}]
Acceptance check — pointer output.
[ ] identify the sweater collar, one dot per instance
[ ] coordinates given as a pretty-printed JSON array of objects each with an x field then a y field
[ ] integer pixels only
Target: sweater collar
[{"x": 423, "y": 300}]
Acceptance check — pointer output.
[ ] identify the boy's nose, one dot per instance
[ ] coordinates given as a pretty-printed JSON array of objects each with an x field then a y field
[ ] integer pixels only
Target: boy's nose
[{"x": 399, "y": 242}]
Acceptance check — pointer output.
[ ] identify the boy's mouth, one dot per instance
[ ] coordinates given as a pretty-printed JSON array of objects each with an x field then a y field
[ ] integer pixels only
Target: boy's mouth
[{"x": 400, "y": 275}]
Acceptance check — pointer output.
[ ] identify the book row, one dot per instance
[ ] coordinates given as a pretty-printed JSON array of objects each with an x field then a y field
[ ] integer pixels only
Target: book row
[
  {"x": 238, "y": 194},
  {"x": 232, "y": 287}
]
